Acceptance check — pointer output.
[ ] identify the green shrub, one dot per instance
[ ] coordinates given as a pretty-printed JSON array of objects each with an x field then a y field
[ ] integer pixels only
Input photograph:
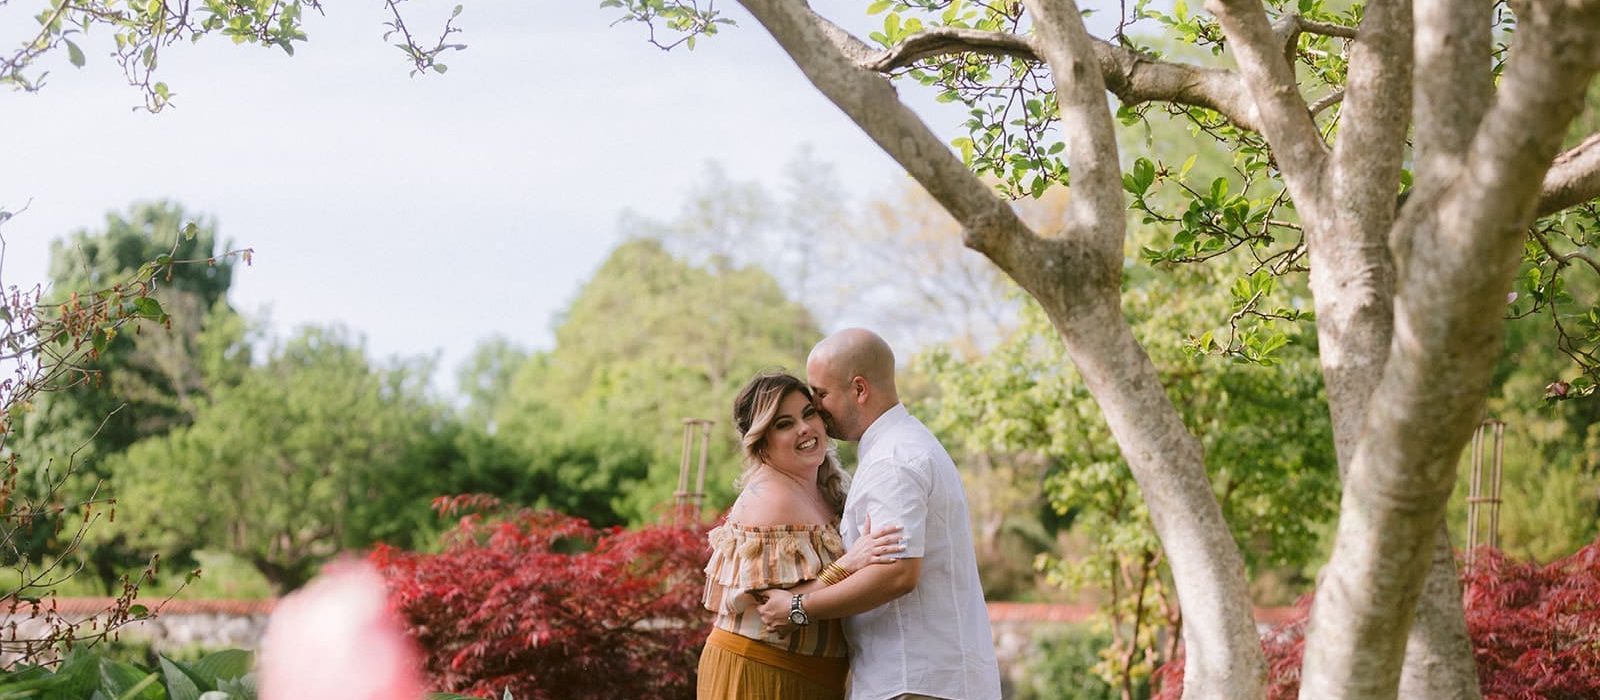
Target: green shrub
[
  {"x": 1061, "y": 666},
  {"x": 224, "y": 675}
]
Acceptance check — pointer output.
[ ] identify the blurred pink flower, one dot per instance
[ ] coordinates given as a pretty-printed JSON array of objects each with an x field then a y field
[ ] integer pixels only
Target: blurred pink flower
[{"x": 337, "y": 639}]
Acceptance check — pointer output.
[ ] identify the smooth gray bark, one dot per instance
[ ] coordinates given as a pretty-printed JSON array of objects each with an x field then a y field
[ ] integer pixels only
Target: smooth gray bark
[{"x": 1459, "y": 245}]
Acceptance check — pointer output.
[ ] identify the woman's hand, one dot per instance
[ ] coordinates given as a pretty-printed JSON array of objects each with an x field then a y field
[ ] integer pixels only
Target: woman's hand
[{"x": 872, "y": 547}]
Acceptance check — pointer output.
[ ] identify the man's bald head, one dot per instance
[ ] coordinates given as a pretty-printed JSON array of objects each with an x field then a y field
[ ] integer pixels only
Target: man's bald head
[
  {"x": 857, "y": 352},
  {"x": 852, "y": 372}
]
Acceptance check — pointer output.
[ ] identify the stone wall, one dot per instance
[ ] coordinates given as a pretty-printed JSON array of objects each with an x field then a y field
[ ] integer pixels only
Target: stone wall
[{"x": 178, "y": 626}]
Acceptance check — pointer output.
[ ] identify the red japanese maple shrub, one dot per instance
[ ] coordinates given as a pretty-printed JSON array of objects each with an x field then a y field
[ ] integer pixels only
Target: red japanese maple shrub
[
  {"x": 545, "y": 606},
  {"x": 1535, "y": 632},
  {"x": 1284, "y": 646},
  {"x": 1536, "y": 629}
]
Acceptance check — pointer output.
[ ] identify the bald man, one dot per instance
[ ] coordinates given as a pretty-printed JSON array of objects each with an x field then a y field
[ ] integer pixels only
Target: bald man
[{"x": 918, "y": 627}]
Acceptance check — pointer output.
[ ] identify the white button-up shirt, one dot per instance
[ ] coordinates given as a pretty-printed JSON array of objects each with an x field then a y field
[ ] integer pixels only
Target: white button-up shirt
[{"x": 936, "y": 639}]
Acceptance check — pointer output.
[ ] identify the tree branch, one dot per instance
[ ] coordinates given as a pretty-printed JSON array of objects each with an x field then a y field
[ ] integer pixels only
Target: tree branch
[
  {"x": 1097, "y": 209},
  {"x": 1574, "y": 177},
  {"x": 1372, "y": 141},
  {"x": 830, "y": 58},
  {"x": 1224, "y": 651},
  {"x": 1286, "y": 30},
  {"x": 1285, "y": 118},
  {"x": 1352, "y": 272},
  {"x": 1134, "y": 77},
  {"x": 944, "y": 41},
  {"x": 1454, "y": 84},
  {"x": 1327, "y": 101}
]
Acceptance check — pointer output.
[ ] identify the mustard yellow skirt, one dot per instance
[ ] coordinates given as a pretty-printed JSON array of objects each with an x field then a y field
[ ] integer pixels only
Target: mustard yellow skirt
[{"x": 733, "y": 667}]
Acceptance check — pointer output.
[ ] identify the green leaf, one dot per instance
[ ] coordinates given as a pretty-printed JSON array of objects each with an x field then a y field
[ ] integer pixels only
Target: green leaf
[
  {"x": 74, "y": 54},
  {"x": 1144, "y": 174},
  {"x": 223, "y": 665},
  {"x": 125, "y": 681},
  {"x": 965, "y": 145},
  {"x": 1219, "y": 191},
  {"x": 180, "y": 684},
  {"x": 879, "y": 6},
  {"x": 140, "y": 689},
  {"x": 243, "y": 686},
  {"x": 149, "y": 308},
  {"x": 1187, "y": 165}
]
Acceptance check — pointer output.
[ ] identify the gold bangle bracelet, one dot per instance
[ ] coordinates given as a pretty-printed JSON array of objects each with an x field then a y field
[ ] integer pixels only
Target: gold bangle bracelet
[{"x": 832, "y": 574}]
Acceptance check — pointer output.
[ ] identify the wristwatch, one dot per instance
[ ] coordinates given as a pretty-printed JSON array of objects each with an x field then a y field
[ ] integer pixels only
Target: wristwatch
[{"x": 797, "y": 614}]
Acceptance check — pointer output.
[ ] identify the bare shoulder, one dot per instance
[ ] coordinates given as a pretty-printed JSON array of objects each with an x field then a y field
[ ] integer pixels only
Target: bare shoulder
[{"x": 766, "y": 505}]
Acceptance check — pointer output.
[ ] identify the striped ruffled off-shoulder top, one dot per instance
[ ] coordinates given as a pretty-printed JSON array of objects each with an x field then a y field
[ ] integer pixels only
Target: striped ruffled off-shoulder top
[{"x": 745, "y": 559}]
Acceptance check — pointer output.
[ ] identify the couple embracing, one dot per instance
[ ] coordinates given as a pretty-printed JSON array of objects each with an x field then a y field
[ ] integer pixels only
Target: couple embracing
[{"x": 823, "y": 587}]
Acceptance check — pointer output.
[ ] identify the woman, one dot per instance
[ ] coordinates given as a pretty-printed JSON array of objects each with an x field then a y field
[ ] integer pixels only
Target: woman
[{"x": 781, "y": 532}]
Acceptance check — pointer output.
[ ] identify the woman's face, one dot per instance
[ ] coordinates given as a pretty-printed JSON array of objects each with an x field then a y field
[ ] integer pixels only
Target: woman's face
[{"x": 795, "y": 438}]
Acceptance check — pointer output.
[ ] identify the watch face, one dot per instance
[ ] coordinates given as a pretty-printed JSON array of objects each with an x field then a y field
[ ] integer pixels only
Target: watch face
[{"x": 797, "y": 617}]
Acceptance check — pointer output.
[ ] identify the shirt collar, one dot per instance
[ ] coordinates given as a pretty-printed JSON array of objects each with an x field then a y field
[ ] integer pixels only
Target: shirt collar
[{"x": 881, "y": 426}]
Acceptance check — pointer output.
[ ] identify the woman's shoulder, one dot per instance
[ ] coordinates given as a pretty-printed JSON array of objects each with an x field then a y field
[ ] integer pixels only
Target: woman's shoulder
[{"x": 760, "y": 505}]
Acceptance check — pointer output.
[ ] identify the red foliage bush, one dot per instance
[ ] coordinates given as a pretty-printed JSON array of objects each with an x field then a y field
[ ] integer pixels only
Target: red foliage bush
[
  {"x": 544, "y": 605},
  {"x": 1284, "y": 646},
  {"x": 1536, "y": 629},
  {"x": 1535, "y": 632}
]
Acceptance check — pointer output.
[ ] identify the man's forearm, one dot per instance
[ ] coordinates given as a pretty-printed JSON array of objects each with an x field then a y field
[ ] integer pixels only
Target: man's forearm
[{"x": 864, "y": 590}]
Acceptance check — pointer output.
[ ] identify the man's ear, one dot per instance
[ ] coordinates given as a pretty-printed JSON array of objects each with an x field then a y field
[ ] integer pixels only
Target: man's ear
[{"x": 861, "y": 388}]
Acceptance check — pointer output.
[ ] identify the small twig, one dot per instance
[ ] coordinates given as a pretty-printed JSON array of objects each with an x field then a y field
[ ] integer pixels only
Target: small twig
[{"x": 1327, "y": 101}]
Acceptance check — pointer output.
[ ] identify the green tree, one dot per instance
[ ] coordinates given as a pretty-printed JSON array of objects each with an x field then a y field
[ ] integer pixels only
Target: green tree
[
  {"x": 650, "y": 340},
  {"x": 315, "y": 451},
  {"x": 47, "y": 506},
  {"x": 1550, "y": 454},
  {"x": 160, "y": 378},
  {"x": 135, "y": 384},
  {"x": 485, "y": 377}
]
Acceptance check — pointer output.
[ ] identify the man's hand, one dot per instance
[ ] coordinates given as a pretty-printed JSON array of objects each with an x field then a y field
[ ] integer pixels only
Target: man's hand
[{"x": 775, "y": 611}]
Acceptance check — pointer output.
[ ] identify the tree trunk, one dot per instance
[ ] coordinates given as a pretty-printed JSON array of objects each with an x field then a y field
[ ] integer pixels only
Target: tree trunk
[
  {"x": 1223, "y": 657},
  {"x": 1439, "y": 664},
  {"x": 1457, "y": 244}
]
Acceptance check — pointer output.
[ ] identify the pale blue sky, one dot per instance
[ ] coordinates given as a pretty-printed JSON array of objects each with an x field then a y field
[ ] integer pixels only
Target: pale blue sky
[{"x": 424, "y": 213}]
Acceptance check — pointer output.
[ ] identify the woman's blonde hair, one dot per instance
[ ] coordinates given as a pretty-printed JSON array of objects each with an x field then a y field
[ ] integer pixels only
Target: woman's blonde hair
[{"x": 753, "y": 412}]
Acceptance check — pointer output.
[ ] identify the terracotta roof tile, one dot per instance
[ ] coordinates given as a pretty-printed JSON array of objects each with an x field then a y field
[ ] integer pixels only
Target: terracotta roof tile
[{"x": 83, "y": 606}]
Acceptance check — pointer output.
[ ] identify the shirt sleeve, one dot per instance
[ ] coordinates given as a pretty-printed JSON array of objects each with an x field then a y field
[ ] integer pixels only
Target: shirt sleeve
[{"x": 898, "y": 495}]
